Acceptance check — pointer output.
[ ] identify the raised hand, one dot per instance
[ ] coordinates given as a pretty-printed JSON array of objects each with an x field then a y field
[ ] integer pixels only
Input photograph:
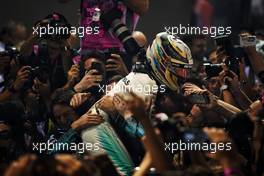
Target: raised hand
[
  {"x": 89, "y": 80},
  {"x": 22, "y": 77},
  {"x": 106, "y": 104},
  {"x": 116, "y": 64},
  {"x": 190, "y": 88},
  {"x": 128, "y": 104},
  {"x": 86, "y": 120},
  {"x": 78, "y": 99},
  {"x": 74, "y": 73}
]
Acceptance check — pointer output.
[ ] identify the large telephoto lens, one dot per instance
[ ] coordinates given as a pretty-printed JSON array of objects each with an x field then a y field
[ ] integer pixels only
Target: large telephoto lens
[{"x": 111, "y": 20}]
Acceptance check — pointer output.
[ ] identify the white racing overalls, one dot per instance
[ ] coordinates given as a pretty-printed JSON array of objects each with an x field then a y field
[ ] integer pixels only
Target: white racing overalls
[{"x": 104, "y": 135}]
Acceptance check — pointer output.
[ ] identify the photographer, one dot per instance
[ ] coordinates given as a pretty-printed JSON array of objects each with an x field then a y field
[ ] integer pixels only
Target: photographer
[
  {"x": 16, "y": 85},
  {"x": 95, "y": 70},
  {"x": 228, "y": 73},
  {"x": 97, "y": 16},
  {"x": 50, "y": 50},
  {"x": 11, "y": 35},
  {"x": 93, "y": 76},
  {"x": 32, "y": 89}
]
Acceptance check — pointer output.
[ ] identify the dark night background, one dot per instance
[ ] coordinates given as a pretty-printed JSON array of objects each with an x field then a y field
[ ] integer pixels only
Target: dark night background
[{"x": 162, "y": 13}]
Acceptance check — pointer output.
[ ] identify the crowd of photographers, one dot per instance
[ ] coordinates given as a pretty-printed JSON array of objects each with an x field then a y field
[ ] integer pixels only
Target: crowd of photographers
[{"x": 51, "y": 92}]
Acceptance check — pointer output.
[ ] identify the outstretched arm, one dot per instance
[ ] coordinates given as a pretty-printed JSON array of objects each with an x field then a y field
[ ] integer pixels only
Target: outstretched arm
[
  {"x": 155, "y": 146},
  {"x": 214, "y": 103}
]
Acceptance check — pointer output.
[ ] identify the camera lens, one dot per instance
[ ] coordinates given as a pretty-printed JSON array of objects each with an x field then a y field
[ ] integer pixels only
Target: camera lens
[{"x": 120, "y": 30}]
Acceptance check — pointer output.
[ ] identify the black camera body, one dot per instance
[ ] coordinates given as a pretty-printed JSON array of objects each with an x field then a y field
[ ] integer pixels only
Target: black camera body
[
  {"x": 213, "y": 70},
  {"x": 39, "y": 72},
  {"x": 34, "y": 72},
  {"x": 224, "y": 43}
]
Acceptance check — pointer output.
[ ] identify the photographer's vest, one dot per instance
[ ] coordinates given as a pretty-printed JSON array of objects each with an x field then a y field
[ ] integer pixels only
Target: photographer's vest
[{"x": 100, "y": 38}]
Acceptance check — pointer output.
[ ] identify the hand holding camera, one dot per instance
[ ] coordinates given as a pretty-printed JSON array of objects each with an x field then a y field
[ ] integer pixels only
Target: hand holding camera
[
  {"x": 23, "y": 76},
  {"x": 230, "y": 79},
  {"x": 92, "y": 78},
  {"x": 116, "y": 64}
]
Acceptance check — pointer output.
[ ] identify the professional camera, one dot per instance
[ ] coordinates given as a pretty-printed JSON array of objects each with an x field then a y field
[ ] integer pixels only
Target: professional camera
[
  {"x": 41, "y": 73},
  {"x": 34, "y": 72},
  {"x": 213, "y": 70},
  {"x": 111, "y": 20},
  {"x": 225, "y": 45}
]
